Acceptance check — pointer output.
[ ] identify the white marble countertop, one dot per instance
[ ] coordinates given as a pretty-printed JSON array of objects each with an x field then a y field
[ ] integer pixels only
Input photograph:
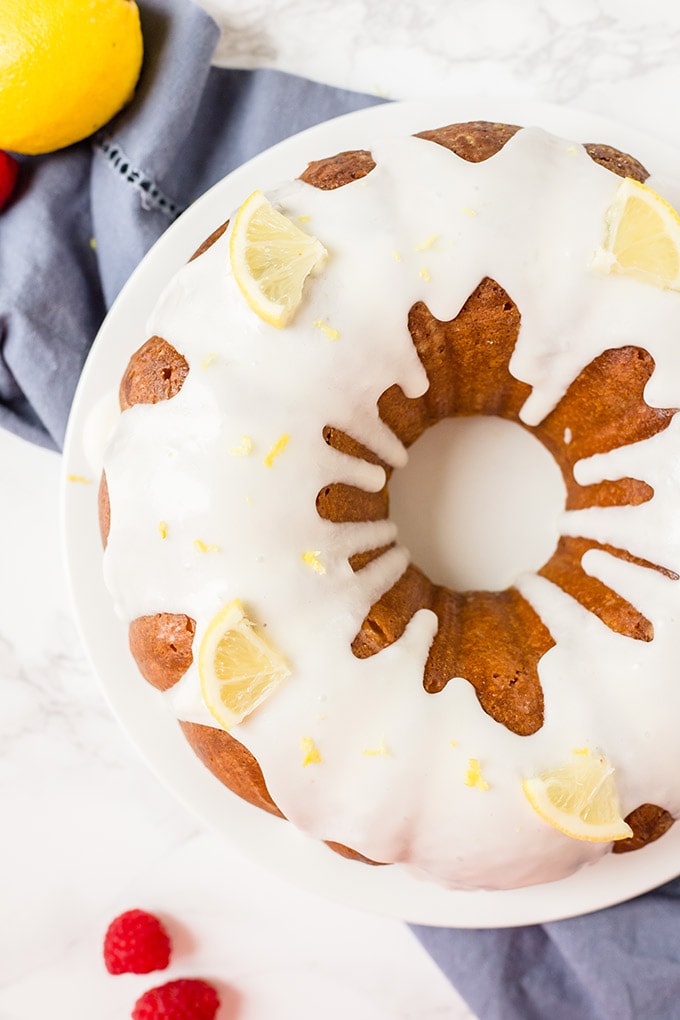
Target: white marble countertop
[
  {"x": 87, "y": 831},
  {"x": 616, "y": 58}
]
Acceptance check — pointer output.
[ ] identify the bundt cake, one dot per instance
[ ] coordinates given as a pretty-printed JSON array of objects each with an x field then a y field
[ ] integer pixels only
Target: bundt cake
[{"x": 250, "y": 468}]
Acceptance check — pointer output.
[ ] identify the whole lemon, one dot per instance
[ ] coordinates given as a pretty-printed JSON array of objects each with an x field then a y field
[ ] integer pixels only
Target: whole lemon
[{"x": 66, "y": 67}]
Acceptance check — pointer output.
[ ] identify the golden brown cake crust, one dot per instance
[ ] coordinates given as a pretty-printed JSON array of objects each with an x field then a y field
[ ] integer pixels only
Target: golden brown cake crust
[
  {"x": 620, "y": 163},
  {"x": 649, "y": 822},
  {"x": 155, "y": 372},
  {"x": 104, "y": 509},
  {"x": 209, "y": 241},
  {"x": 339, "y": 170},
  {"x": 473, "y": 141},
  {"x": 494, "y": 639},
  {"x": 231, "y": 763},
  {"x": 161, "y": 646}
]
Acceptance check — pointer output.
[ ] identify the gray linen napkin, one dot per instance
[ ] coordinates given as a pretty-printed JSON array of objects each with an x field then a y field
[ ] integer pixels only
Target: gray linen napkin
[
  {"x": 188, "y": 126},
  {"x": 617, "y": 964}
]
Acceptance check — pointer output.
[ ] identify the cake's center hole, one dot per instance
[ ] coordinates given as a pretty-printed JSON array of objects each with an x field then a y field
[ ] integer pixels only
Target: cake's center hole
[{"x": 478, "y": 503}]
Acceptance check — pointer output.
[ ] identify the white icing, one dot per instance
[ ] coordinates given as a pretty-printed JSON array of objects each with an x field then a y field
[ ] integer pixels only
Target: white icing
[{"x": 539, "y": 208}]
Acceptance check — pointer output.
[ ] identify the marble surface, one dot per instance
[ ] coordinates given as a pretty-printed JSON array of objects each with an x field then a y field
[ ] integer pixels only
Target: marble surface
[
  {"x": 617, "y": 58},
  {"x": 87, "y": 831}
]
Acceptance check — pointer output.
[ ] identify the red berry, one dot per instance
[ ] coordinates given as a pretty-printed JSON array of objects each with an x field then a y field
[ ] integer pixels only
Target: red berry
[
  {"x": 9, "y": 168},
  {"x": 185, "y": 999},
  {"x": 136, "y": 943}
]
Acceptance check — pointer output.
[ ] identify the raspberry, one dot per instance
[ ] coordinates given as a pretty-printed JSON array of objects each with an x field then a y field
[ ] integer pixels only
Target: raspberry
[
  {"x": 185, "y": 999},
  {"x": 136, "y": 943},
  {"x": 9, "y": 168}
]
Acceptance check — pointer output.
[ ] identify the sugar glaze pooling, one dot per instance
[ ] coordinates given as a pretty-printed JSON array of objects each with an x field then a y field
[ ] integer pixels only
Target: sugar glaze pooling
[{"x": 423, "y": 225}]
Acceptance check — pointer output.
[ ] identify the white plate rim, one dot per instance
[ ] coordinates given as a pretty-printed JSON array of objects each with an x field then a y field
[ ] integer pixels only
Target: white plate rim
[{"x": 277, "y": 846}]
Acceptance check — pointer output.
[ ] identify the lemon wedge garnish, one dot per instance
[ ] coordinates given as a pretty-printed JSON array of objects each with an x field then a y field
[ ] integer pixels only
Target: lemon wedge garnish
[
  {"x": 579, "y": 798},
  {"x": 238, "y": 667},
  {"x": 642, "y": 237},
  {"x": 271, "y": 257}
]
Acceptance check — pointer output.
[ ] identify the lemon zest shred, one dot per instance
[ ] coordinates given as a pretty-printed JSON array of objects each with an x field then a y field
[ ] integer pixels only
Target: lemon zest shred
[
  {"x": 80, "y": 479},
  {"x": 311, "y": 558},
  {"x": 244, "y": 448},
  {"x": 163, "y": 529},
  {"x": 425, "y": 274},
  {"x": 474, "y": 777},
  {"x": 208, "y": 360},
  {"x": 277, "y": 449},
  {"x": 427, "y": 243},
  {"x": 203, "y": 547},
  {"x": 331, "y": 333},
  {"x": 312, "y": 755},
  {"x": 382, "y": 750}
]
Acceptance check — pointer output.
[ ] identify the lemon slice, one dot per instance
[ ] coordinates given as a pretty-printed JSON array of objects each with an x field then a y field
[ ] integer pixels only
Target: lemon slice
[
  {"x": 580, "y": 799},
  {"x": 642, "y": 237},
  {"x": 238, "y": 667},
  {"x": 271, "y": 257}
]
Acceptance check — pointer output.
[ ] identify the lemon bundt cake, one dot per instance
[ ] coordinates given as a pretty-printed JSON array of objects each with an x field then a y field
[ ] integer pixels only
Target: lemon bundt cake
[{"x": 482, "y": 738}]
